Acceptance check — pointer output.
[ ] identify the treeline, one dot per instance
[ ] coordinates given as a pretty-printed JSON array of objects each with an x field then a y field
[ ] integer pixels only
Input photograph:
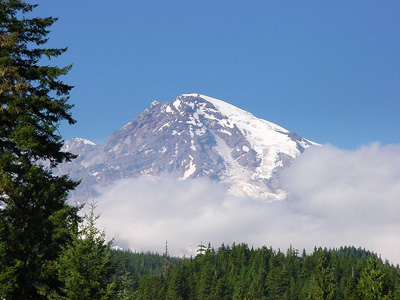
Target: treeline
[
  {"x": 142, "y": 264},
  {"x": 241, "y": 272}
]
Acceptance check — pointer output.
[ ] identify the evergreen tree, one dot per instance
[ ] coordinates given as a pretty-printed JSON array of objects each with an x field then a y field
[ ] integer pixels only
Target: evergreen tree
[
  {"x": 323, "y": 283},
  {"x": 85, "y": 265},
  {"x": 257, "y": 285},
  {"x": 238, "y": 292},
  {"x": 240, "y": 273},
  {"x": 35, "y": 220},
  {"x": 178, "y": 283},
  {"x": 350, "y": 291},
  {"x": 127, "y": 287},
  {"x": 276, "y": 280},
  {"x": 207, "y": 274},
  {"x": 371, "y": 283},
  {"x": 128, "y": 282}
]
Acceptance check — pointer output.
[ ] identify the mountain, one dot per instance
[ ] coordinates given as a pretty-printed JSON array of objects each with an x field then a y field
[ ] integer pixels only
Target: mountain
[{"x": 190, "y": 137}]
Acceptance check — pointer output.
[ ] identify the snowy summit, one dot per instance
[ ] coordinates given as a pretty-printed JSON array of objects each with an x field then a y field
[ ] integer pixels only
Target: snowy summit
[{"x": 193, "y": 136}]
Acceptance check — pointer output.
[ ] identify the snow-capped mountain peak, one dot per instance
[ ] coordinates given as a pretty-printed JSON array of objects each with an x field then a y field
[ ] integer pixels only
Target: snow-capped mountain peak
[
  {"x": 189, "y": 137},
  {"x": 267, "y": 139},
  {"x": 72, "y": 145}
]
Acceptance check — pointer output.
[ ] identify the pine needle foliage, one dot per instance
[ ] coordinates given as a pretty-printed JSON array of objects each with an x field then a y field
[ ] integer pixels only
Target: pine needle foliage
[
  {"x": 240, "y": 272},
  {"x": 35, "y": 220},
  {"x": 85, "y": 266}
]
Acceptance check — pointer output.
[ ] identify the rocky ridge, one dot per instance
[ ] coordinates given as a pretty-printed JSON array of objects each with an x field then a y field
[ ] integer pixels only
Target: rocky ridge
[{"x": 190, "y": 137}]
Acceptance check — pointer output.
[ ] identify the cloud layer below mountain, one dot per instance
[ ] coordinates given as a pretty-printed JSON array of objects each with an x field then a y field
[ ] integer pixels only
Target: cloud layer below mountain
[{"x": 337, "y": 198}]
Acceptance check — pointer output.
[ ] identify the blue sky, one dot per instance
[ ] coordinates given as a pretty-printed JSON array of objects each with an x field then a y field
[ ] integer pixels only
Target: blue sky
[{"x": 327, "y": 70}]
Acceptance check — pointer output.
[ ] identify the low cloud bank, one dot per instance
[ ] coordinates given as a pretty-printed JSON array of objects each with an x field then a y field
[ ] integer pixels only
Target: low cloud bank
[
  {"x": 337, "y": 198},
  {"x": 355, "y": 195}
]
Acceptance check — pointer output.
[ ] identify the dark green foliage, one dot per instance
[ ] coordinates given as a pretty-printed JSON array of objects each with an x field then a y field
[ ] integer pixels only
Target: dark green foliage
[
  {"x": 85, "y": 266},
  {"x": 139, "y": 263},
  {"x": 35, "y": 221},
  {"x": 372, "y": 283},
  {"x": 322, "y": 285},
  {"x": 240, "y": 272},
  {"x": 127, "y": 287}
]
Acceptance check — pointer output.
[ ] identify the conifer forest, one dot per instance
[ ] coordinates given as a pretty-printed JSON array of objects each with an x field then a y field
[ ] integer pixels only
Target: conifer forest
[{"x": 241, "y": 272}]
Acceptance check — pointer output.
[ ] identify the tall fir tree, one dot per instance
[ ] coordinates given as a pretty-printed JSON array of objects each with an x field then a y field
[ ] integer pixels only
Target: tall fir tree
[
  {"x": 85, "y": 265},
  {"x": 35, "y": 220},
  {"x": 323, "y": 282},
  {"x": 371, "y": 283}
]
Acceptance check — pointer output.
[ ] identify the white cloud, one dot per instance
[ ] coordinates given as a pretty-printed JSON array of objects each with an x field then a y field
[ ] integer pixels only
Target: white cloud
[
  {"x": 338, "y": 198},
  {"x": 356, "y": 194}
]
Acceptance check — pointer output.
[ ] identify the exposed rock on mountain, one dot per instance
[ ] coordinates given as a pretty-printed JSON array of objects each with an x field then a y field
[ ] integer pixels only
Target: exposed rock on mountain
[{"x": 192, "y": 136}]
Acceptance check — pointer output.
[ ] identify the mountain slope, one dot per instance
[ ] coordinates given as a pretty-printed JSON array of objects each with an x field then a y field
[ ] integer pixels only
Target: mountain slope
[{"x": 192, "y": 136}]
